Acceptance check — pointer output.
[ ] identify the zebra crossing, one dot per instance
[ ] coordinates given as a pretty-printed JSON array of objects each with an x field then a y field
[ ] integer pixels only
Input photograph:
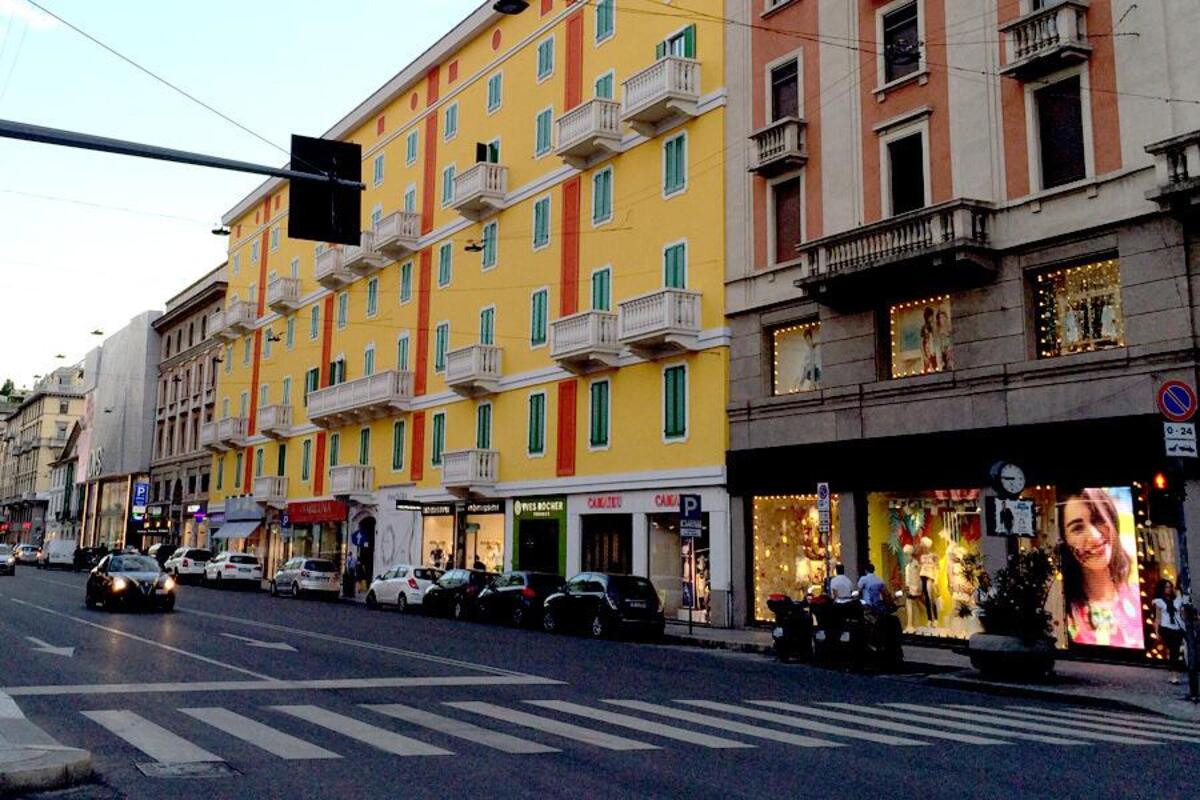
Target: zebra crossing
[{"x": 550, "y": 726}]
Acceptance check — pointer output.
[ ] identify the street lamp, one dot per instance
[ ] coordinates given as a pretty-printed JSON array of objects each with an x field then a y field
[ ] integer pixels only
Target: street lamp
[
  {"x": 220, "y": 230},
  {"x": 510, "y": 6}
]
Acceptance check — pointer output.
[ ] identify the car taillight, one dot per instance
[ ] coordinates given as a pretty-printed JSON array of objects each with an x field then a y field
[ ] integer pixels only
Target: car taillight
[
  {"x": 528, "y": 592},
  {"x": 303, "y": 573},
  {"x": 230, "y": 566},
  {"x": 472, "y": 589},
  {"x": 412, "y": 583},
  {"x": 185, "y": 563}
]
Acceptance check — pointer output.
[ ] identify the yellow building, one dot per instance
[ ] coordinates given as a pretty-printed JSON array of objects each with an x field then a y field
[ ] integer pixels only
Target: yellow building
[{"x": 525, "y": 362}]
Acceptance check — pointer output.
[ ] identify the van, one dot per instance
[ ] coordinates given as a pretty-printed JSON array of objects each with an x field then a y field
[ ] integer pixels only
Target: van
[{"x": 59, "y": 553}]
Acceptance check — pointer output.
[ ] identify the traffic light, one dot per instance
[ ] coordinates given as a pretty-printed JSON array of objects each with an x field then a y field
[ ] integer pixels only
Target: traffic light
[
  {"x": 323, "y": 211},
  {"x": 1165, "y": 498}
]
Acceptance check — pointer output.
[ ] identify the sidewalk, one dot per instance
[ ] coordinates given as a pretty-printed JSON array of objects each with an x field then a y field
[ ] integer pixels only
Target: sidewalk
[
  {"x": 1112, "y": 686},
  {"x": 30, "y": 759}
]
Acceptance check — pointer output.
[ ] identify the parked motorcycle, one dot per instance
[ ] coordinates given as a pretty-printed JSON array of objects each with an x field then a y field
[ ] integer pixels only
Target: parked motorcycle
[
  {"x": 882, "y": 634},
  {"x": 792, "y": 633},
  {"x": 838, "y": 630}
]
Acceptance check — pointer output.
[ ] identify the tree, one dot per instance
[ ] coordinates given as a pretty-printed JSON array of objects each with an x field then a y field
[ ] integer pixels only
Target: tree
[{"x": 7, "y": 389}]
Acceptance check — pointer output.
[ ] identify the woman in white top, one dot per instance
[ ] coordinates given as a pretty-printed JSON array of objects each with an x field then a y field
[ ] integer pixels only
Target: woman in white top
[{"x": 1168, "y": 625}]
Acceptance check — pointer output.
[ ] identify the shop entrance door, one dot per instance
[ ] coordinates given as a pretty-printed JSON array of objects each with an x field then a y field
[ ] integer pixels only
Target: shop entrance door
[
  {"x": 607, "y": 543},
  {"x": 537, "y": 550}
]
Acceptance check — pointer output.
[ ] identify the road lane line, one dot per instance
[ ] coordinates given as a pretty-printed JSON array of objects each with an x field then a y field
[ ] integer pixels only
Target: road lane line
[
  {"x": 807, "y": 724},
  {"x": 144, "y": 640},
  {"x": 1132, "y": 719},
  {"x": 639, "y": 724},
  {"x": 984, "y": 716},
  {"x": 262, "y": 736},
  {"x": 710, "y": 721},
  {"x": 1110, "y": 727},
  {"x": 868, "y": 716},
  {"x": 153, "y": 740},
  {"x": 461, "y": 730},
  {"x": 564, "y": 729},
  {"x": 273, "y": 685},
  {"x": 379, "y": 738}
]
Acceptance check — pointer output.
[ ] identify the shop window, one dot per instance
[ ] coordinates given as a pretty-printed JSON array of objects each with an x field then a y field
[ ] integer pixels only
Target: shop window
[
  {"x": 906, "y": 173},
  {"x": 676, "y": 562},
  {"x": 606, "y": 543},
  {"x": 796, "y": 351},
  {"x": 1060, "y": 132},
  {"x": 921, "y": 337},
  {"x": 785, "y": 91},
  {"x": 790, "y": 554},
  {"x": 787, "y": 230},
  {"x": 1079, "y": 309},
  {"x": 901, "y": 42}
]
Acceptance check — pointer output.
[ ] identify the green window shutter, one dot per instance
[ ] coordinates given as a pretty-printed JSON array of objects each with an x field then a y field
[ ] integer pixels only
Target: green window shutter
[
  {"x": 689, "y": 41},
  {"x": 364, "y": 447},
  {"x": 675, "y": 164},
  {"x": 335, "y": 440},
  {"x": 445, "y": 264},
  {"x": 604, "y": 19},
  {"x": 281, "y": 460},
  {"x": 372, "y": 296},
  {"x": 305, "y": 460},
  {"x": 259, "y": 457},
  {"x": 537, "y": 424},
  {"x": 402, "y": 354},
  {"x": 487, "y": 326},
  {"x": 541, "y": 222},
  {"x": 483, "y": 427},
  {"x": 237, "y": 472},
  {"x": 439, "y": 438},
  {"x": 406, "y": 282},
  {"x": 599, "y": 420},
  {"x": 398, "y": 444},
  {"x": 660, "y": 50},
  {"x": 537, "y": 328},
  {"x": 291, "y": 332},
  {"x": 675, "y": 267},
  {"x": 543, "y": 128},
  {"x": 602, "y": 195},
  {"x": 601, "y": 290},
  {"x": 675, "y": 402},
  {"x": 604, "y": 87},
  {"x": 221, "y": 474},
  {"x": 369, "y": 361},
  {"x": 490, "y": 236}
]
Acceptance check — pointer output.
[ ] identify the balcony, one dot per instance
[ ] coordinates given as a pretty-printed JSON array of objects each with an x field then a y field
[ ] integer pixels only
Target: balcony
[
  {"x": 1046, "y": 40},
  {"x": 271, "y": 490},
  {"x": 468, "y": 472},
  {"x": 283, "y": 295},
  {"x": 586, "y": 341},
  {"x": 473, "y": 370},
  {"x": 363, "y": 258},
  {"x": 275, "y": 422},
  {"x": 660, "y": 323},
  {"x": 397, "y": 234},
  {"x": 235, "y": 320},
  {"x": 331, "y": 270},
  {"x": 667, "y": 89},
  {"x": 1177, "y": 170},
  {"x": 224, "y": 434},
  {"x": 590, "y": 130},
  {"x": 351, "y": 479},
  {"x": 372, "y": 397},
  {"x": 479, "y": 192},
  {"x": 939, "y": 248},
  {"x": 778, "y": 148}
]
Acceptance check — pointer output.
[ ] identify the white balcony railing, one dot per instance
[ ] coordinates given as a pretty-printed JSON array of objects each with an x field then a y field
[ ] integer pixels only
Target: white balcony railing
[
  {"x": 397, "y": 234},
  {"x": 480, "y": 190},
  {"x": 1176, "y": 168},
  {"x": 661, "y": 322},
  {"x": 271, "y": 489},
  {"x": 474, "y": 369},
  {"x": 223, "y": 434},
  {"x": 470, "y": 471},
  {"x": 331, "y": 270},
  {"x": 236, "y": 319},
  {"x": 363, "y": 257},
  {"x": 670, "y": 87},
  {"x": 350, "y": 479},
  {"x": 588, "y": 130},
  {"x": 275, "y": 421},
  {"x": 283, "y": 294},
  {"x": 1046, "y": 40},
  {"x": 778, "y": 147},
  {"x": 362, "y": 399},
  {"x": 585, "y": 341}
]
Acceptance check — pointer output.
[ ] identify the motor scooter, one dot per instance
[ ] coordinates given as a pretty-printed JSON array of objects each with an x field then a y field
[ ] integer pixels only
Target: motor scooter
[
  {"x": 837, "y": 630},
  {"x": 882, "y": 634},
  {"x": 792, "y": 633}
]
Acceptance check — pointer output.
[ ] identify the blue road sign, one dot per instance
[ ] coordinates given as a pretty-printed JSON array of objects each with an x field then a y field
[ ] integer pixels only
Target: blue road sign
[
  {"x": 141, "y": 495},
  {"x": 691, "y": 522},
  {"x": 689, "y": 599}
]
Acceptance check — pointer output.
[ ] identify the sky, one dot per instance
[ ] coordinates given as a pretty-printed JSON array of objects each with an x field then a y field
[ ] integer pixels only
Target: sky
[{"x": 90, "y": 240}]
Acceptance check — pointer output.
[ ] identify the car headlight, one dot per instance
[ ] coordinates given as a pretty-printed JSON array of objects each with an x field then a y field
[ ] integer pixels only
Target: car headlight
[
  {"x": 168, "y": 584},
  {"x": 12, "y": 559},
  {"x": 119, "y": 584}
]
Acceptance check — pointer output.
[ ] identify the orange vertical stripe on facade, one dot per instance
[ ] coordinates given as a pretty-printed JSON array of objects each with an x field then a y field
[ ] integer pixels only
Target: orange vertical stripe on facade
[
  {"x": 569, "y": 300},
  {"x": 418, "y": 446},
  {"x": 424, "y": 277},
  {"x": 1102, "y": 74},
  {"x": 574, "y": 88},
  {"x": 1012, "y": 117},
  {"x": 567, "y": 395}
]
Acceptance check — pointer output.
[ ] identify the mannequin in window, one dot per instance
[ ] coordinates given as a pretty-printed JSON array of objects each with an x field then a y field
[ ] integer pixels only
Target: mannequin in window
[
  {"x": 912, "y": 587},
  {"x": 929, "y": 569}
]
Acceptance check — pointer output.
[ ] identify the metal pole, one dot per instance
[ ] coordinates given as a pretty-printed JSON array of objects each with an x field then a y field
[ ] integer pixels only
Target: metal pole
[
  {"x": 87, "y": 141},
  {"x": 1189, "y": 608}
]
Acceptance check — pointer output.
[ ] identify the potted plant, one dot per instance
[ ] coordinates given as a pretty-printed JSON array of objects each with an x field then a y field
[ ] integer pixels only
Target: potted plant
[{"x": 1016, "y": 641}]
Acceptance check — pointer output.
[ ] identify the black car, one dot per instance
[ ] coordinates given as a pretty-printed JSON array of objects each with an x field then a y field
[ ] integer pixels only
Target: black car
[
  {"x": 130, "y": 582},
  {"x": 162, "y": 551},
  {"x": 456, "y": 592},
  {"x": 517, "y": 596},
  {"x": 604, "y": 604},
  {"x": 89, "y": 557}
]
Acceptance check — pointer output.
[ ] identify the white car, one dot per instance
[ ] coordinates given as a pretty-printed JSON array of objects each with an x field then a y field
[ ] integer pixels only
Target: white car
[
  {"x": 58, "y": 553},
  {"x": 231, "y": 569},
  {"x": 402, "y": 585},
  {"x": 187, "y": 562},
  {"x": 303, "y": 575},
  {"x": 28, "y": 553}
]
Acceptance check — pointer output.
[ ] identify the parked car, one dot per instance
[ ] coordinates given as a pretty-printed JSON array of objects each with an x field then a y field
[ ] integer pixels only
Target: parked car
[
  {"x": 604, "y": 604},
  {"x": 58, "y": 553},
  {"x": 8, "y": 560},
  {"x": 232, "y": 569},
  {"x": 88, "y": 557},
  {"x": 455, "y": 592},
  {"x": 28, "y": 553},
  {"x": 302, "y": 575},
  {"x": 130, "y": 582},
  {"x": 517, "y": 596},
  {"x": 403, "y": 585},
  {"x": 188, "y": 562},
  {"x": 162, "y": 551}
]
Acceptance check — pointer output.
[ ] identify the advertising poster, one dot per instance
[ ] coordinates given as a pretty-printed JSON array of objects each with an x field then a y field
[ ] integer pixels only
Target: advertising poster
[
  {"x": 921, "y": 337},
  {"x": 797, "y": 358}
]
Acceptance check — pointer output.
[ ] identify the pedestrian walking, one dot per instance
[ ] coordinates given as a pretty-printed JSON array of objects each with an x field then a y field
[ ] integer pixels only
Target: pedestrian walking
[
  {"x": 1168, "y": 626},
  {"x": 350, "y": 576}
]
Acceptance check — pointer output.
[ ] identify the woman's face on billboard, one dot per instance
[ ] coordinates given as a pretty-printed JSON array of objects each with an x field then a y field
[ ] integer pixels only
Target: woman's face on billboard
[{"x": 1086, "y": 535}]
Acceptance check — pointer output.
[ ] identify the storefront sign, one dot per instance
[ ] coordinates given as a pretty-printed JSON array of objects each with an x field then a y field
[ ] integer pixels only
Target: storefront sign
[
  {"x": 1180, "y": 439},
  {"x": 604, "y": 501},
  {"x": 195, "y": 508},
  {"x": 27, "y": 526},
  {"x": 155, "y": 511},
  {"x": 1010, "y": 518},
  {"x": 691, "y": 524},
  {"x": 486, "y": 507},
  {"x": 317, "y": 511},
  {"x": 407, "y": 505},
  {"x": 437, "y": 509},
  {"x": 539, "y": 508},
  {"x": 666, "y": 501}
]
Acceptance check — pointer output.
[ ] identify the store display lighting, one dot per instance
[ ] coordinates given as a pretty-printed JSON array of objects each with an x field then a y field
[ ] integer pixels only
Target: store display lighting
[{"x": 901, "y": 307}]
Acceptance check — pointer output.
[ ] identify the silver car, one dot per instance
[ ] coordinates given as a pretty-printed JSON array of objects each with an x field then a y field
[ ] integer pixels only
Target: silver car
[{"x": 304, "y": 575}]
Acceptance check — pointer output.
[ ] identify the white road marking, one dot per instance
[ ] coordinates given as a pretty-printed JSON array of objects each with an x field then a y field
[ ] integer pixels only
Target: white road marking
[
  {"x": 273, "y": 685},
  {"x": 564, "y": 729},
  {"x": 144, "y": 640},
  {"x": 726, "y": 725},
  {"x": 639, "y": 724},
  {"x": 868, "y": 715},
  {"x": 263, "y": 736},
  {"x": 379, "y": 738},
  {"x": 988, "y": 718},
  {"x": 1130, "y": 719},
  {"x": 461, "y": 730},
  {"x": 40, "y": 646},
  {"x": 1109, "y": 727},
  {"x": 153, "y": 740},
  {"x": 807, "y": 724},
  {"x": 259, "y": 643}
]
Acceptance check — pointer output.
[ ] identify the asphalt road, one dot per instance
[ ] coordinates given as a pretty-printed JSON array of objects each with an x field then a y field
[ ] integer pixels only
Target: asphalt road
[{"x": 239, "y": 695}]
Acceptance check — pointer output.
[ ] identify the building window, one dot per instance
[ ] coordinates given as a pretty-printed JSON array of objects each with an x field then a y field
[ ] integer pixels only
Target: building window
[
  {"x": 602, "y": 196},
  {"x": 543, "y": 133},
  {"x": 541, "y": 223},
  {"x": 598, "y": 414},
  {"x": 237, "y": 263},
  {"x": 495, "y": 92},
  {"x": 267, "y": 341},
  {"x": 675, "y": 266},
  {"x": 343, "y": 309},
  {"x": 237, "y": 471},
  {"x": 314, "y": 322},
  {"x": 604, "y": 86},
  {"x": 675, "y": 402},
  {"x": 545, "y": 59},
  {"x": 286, "y": 392},
  {"x": 402, "y": 352},
  {"x": 901, "y": 42},
  {"x": 406, "y": 270},
  {"x": 487, "y": 325},
  {"x": 491, "y": 236},
  {"x": 605, "y": 19},
  {"x": 364, "y": 447},
  {"x": 274, "y": 239},
  {"x": 439, "y": 438},
  {"x": 539, "y": 305},
  {"x": 921, "y": 336},
  {"x": 264, "y": 395},
  {"x": 369, "y": 360},
  {"x": 410, "y": 199},
  {"x": 787, "y": 228},
  {"x": 602, "y": 289},
  {"x": 1079, "y": 309},
  {"x": 377, "y": 174},
  {"x": 372, "y": 297},
  {"x": 247, "y": 345},
  {"x": 306, "y": 460},
  {"x": 290, "y": 333},
  {"x": 785, "y": 91},
  {"x": 448, "y": 185},
  {"x": 796, "y": 350},
  {"x": 1060, "y": 132},
  {"x": 410, "y": 147},
  {"x": 398, "y": 445},
  {"x": 450, "y": 122},
  {"x": 483, "y": 426},
  {"x": 906, "y": 173},
  {"x": 445, "y": 264},
  {"x": 537, "y": 424},
  {"x": 312, "y": 382},
  {"x": 335, "y": 444},
  {"x": 253, "y": 254},
  {"x": 376, "y": 216},
  {"x": 675, "y": 164},
  {"x": 337, "y": 371},
  {"x": 681, "y": 44},
  {"x": 294, "y": 269},
  {"x": 221, "y": 474},
  {"x": 441, "y": 341},
  {"x": 281, "y": 460}
]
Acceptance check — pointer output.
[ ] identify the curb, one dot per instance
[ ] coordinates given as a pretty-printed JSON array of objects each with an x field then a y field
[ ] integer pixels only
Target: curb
[
  {"x": 715, "y": 644},
  {"x": 30, "y": 759},
  {"x": 1046, "y": 694}
]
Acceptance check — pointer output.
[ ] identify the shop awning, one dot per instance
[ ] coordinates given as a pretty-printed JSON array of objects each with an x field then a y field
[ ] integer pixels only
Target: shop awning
[{"x": 235, "y": 530}]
